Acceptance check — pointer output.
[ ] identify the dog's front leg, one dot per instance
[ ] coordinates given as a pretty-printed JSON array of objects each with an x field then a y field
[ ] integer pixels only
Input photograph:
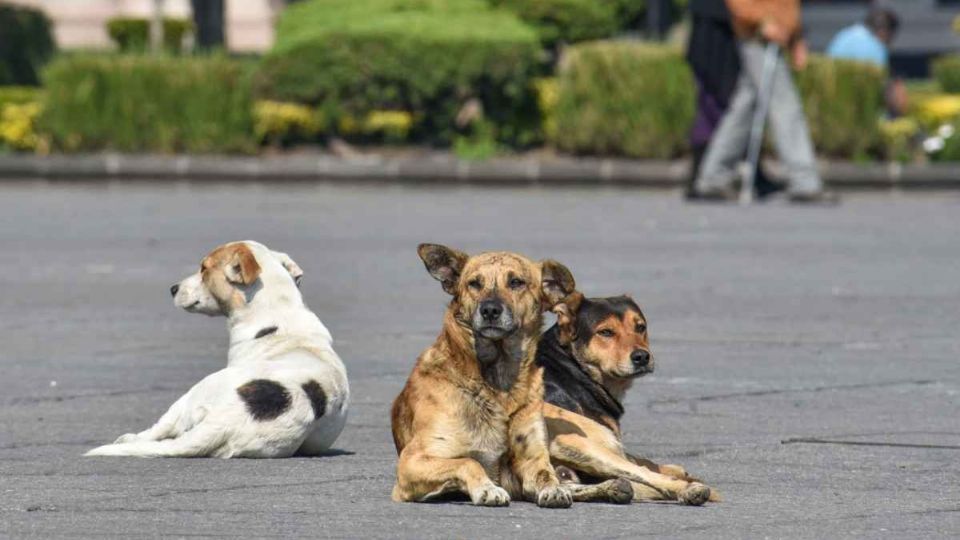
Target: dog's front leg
[
  {"x": 531, "y": 459},
  {"x": 421, "y": 477}
]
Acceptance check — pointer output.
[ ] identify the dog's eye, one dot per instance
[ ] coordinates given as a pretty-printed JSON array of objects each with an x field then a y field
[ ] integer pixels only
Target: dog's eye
[
  {"x": 516, "y": 283},
  {"x": 475, "y": 284},
  {"x": 641, "y": 328},
  {"x": 606, "y": 332}
]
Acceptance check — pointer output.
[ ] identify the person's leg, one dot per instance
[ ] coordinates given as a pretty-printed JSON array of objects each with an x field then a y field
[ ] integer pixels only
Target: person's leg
[
  {"x": 790, "y": 133},
  {"x": 727, "y": 147}
]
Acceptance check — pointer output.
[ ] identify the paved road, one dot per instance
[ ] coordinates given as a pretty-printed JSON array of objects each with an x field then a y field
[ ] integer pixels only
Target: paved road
[{"x": 768, "y": 323}]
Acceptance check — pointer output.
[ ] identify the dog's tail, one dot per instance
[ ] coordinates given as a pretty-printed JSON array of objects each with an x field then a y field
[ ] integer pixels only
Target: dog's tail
[{"x": 201, "y": 441}]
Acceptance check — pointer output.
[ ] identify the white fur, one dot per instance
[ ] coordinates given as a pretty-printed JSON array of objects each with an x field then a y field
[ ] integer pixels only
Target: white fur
[{"x": 211, "y": 419}]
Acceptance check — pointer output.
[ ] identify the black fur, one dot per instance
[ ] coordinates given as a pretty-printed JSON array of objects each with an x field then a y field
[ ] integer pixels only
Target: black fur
[
  {"x": 568, "y": 386},
  {"x": 318, "y": 399},
  {"x": 565, "y": 382},
  {"x": 266, "y": 332},
  {"x": 265, "y": 399}
]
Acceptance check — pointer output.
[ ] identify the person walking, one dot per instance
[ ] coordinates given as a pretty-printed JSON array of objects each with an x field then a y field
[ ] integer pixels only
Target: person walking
[
  {"x": 757, "y": 23},
  {"x": 715, "y": 62}
]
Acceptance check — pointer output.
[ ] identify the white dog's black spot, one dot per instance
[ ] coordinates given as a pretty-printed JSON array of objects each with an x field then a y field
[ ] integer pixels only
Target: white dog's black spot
[
  {"x": 317, "y": 397},
  {"x": 265, "y": 399}
]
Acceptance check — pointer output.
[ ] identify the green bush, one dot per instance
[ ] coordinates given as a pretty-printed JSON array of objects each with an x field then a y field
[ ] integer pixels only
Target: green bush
[
  {"x": 133, "y": 34},
  {"x": 146, "y": 103},
  {"x": 426, "y": 57},
  {"x": 843, "y": 102},
  {"x": 19, "y": 95},
  {"x": 946, "y": 70},
  {"x": 623, "y": 98},
  {"x": 567, "y": 21},
  {"x": 25, "y": 44}
]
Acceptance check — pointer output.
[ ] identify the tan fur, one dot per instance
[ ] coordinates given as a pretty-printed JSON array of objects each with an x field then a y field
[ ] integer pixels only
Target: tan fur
[
  {"x": 456, "y": 432},
  {"x": 596, "y": 449},
  {"x": 226, "y": 266}
]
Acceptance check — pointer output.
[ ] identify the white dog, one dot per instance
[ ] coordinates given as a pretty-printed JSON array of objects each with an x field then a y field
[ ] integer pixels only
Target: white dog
[{"x": 284, "y": 390}]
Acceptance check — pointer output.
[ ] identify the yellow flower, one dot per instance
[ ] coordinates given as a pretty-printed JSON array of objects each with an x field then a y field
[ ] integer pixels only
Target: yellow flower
[
  {"x": 18, "y": 125},
  {"x": 276, "y": 119},
  {"x": 391, "y": 122},
  {"x": 939, "y": 109}
]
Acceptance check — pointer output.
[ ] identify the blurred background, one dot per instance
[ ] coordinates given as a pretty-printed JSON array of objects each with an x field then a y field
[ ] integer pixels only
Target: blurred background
[{"x": 480, "y": 78}]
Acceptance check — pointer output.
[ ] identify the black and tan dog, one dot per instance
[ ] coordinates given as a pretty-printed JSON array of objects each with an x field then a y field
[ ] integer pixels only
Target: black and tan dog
[
  {"x": 469, "y": 419},
  {"x": 591, "y": 357}
]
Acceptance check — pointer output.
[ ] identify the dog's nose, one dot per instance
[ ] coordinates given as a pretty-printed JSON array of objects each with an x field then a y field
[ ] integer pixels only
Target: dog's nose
[
  {"x": 174, "y": 289},
  {"x": 490, "y": 310},
  {"x": 640, "y": 358}
]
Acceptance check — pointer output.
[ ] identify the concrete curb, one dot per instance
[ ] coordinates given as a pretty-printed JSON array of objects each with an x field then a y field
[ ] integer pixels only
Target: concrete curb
[{"x": 438, "y": 167}]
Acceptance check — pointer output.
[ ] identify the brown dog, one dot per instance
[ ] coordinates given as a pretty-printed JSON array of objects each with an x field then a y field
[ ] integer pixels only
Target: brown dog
[
  {"x": 591, "y": 357},
  {"x": 469, "y": 419}
]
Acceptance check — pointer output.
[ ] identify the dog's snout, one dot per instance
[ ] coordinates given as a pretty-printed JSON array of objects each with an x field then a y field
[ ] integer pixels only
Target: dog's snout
[
  {"x": 173, "y": 289},
  {"x": 640, "y": 358},
  {"x": 491, "y": 310}
]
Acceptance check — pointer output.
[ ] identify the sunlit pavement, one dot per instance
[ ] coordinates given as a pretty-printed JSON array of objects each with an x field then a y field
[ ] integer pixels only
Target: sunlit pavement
[{"x": 834, "y": 328}]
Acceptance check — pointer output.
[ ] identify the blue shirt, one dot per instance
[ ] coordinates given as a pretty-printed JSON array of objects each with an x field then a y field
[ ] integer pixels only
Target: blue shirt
[{"x": 857, "y": 42}]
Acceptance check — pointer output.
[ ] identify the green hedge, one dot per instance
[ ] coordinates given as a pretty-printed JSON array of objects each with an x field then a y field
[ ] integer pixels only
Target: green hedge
[
  {"x": 567, "y": 21},
  {"x": 623, "y": 98},
  {"x": 133, "y": 34},
  {"x": 946, "y": 70},
  {"x": 843, "y": 102},
  {"x": 25, "y": 44},
  {"x": 145, "y": 103},
  {"x": 636, "y": 99},
  {"x": 424, "y": 57}
]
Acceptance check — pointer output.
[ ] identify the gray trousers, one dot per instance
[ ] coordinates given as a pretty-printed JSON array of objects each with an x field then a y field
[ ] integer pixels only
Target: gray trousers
[{"x": 789, "y": 128}]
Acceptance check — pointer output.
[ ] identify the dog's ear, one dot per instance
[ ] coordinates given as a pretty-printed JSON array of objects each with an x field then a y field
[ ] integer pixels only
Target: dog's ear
[
  {"x": 242, "y": 267},
  {"x": 443, "y": 263},
  {"x": 290, "y": 265},
  {"x": 566, "y": 312},
  {"x": 556, "y": 281}
]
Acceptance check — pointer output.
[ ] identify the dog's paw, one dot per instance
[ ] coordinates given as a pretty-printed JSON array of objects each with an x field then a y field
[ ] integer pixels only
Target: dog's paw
[
  {"x": 490, "y": 495},
  {"x": 694, "y": 494},
  {"x": 127, "y": 438},
  {"x": 620, "y": 491},
  {"x": 566, "y": 475},
  {"x": 554, "y": 497}
]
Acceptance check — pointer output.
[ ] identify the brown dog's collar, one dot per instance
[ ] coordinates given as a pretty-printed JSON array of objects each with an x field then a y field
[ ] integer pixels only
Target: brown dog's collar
[{"x": 266, "y": 332}]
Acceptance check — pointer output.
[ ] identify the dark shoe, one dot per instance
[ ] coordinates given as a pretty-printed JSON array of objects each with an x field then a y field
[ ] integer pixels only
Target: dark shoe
[
  {"x": 696, "y": 158},
  {"x": 764, "y": 187},
  {"x": 824, "y": 198},
  {"x": 713, "y": 195}
]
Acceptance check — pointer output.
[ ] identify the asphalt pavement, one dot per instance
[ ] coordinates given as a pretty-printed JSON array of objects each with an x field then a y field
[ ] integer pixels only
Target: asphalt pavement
[{"x": 808, "y": 359}]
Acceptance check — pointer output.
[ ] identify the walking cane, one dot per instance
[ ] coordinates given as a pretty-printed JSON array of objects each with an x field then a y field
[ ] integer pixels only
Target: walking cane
[{"x": 765, "y": 93}]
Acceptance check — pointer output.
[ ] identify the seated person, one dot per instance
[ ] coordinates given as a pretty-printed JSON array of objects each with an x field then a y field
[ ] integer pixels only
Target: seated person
[{"x": 869, "y": 42}]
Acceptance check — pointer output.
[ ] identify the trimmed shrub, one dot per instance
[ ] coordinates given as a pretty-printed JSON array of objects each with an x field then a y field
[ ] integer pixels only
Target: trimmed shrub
[
  {"x": 146, "y": 103},
  {"x": 946, "y": 70},
  {"x": 843, "y": 101},
  {"x": 25, "y": 44},
  {"x": 566, "y": 21},
  {"x": 428, "y": 58},
  {"x": 623, "y": 98},
  {"x": 133, "y": 34}
]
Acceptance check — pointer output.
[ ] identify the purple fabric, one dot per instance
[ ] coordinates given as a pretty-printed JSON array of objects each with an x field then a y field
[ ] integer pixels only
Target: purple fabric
[{"x": 709, "y": 114}]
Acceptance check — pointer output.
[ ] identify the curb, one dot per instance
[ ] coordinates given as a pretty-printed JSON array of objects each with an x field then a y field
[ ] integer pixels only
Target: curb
[{"x": 438, "y": 167}]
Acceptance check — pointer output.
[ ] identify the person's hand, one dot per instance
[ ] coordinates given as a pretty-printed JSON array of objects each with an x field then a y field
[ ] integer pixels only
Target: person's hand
[
  {"x": 799, "y": 54},
  {"x": 771, "y": 31}
]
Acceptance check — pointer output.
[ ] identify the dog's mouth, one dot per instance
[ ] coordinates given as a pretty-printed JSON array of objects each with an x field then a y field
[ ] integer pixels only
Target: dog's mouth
[
  {"x": 640, "y": 372},
  {"x": 192, "y": 307},
  {"x": 494, "y": 332}
]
